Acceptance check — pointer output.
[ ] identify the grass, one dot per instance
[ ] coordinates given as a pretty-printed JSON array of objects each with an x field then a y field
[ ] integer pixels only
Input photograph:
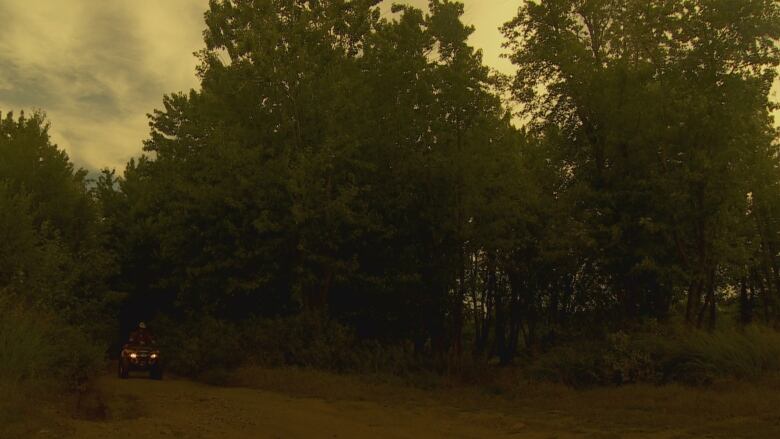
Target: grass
[
  {"x": 312, "y": 383},
  {"x": 670, "y": 382},
  {"x": 746, "y": 353},
  {"x": 727, "y": 409},
  {"x": 28, "y": 409}
]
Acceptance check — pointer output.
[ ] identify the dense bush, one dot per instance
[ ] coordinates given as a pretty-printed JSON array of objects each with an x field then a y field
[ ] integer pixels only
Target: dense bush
[
  {"x": 199, "y": 345},
  {"x": 205, "y": 346},
  {"x": 37, "y": 347},
  {"x": 670, "y": 355},
  {"x": 309, "y": 340},
  {"x": 55, "y": 307},
  {"x": 744, "y": 354}
]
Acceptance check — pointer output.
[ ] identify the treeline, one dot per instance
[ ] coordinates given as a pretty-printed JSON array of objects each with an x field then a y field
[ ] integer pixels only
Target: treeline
[
  {"x": 332, "y": 161},
  {"x": 368, "y": 167},
  {"x": 344, "y": 176}
]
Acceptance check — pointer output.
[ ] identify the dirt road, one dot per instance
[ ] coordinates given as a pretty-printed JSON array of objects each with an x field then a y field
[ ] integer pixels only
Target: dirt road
[{"x": 183, "y": 409}]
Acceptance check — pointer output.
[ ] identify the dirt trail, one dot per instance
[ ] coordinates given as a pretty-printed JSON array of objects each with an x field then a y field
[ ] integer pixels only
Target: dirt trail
[{"x": 173, "y": 408}]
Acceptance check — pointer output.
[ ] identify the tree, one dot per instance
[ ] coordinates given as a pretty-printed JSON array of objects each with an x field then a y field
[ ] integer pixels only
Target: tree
[
  {"x": 660, "y": 106},
  {"x": 51, "y": 238},
  {"x": 331, "y": 161}
]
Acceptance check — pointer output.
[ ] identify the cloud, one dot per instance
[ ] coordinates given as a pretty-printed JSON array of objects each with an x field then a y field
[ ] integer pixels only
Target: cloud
[{"x": 97, "y": 68}]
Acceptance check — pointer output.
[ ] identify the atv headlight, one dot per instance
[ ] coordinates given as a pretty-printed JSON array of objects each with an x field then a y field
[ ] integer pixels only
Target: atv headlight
[
  {"x": 153, "y": 356},
  {"x": 133, "y": 355}
]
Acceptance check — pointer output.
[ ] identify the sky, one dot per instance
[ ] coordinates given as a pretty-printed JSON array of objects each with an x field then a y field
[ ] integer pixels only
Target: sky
[{"x": 97, "y": 67}]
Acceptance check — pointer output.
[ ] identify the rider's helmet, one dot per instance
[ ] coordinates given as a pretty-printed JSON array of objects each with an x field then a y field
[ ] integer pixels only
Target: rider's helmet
[{"x": 142, "y": 325}]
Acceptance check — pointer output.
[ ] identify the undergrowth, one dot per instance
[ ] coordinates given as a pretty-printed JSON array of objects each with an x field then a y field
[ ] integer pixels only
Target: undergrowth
[
  {"x": 209, "y": 349},
  {"x": 664, "y": 355},
  {"x": 39, "y": 356}
]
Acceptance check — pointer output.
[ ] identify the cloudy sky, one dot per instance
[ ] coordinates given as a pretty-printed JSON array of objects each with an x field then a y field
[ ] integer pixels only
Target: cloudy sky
[{"x": 97, "y": 67}]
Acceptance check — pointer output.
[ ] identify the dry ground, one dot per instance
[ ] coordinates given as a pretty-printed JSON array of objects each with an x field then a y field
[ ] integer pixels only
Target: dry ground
[{"x": 306, "y": 404}]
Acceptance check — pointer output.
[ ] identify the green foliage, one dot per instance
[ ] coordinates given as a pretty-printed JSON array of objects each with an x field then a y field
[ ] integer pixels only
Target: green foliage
[
  {"x": 42, "y": 359},
  {"x": 671, "y": 355},
  {"x": 35, "y": 346},
  {"x": 659, "y": 113},
  {"x": 55, "y": 310},
  {"x": 207, "y": 348},
  {"x": 745, "y": 354},
  {"x": 317, "y": 341},
  {"x": 307, "y": 340},
  {"x": 51, "y": 239},
  {"x": 195, "y": 347},
  {"x": 366, "y": 168},
  {"x": 360, "y": 162}
]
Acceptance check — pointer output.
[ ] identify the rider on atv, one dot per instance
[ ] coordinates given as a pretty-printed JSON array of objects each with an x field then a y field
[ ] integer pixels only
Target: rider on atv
[
  {"x": 140, "y": 354},
  {"x": 141, "y": 336}
]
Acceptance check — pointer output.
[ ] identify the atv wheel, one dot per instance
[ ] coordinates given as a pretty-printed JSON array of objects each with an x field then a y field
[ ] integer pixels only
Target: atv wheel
[
  {"x": 122, "y": 371},
  {"x": 156, "y": 374}
]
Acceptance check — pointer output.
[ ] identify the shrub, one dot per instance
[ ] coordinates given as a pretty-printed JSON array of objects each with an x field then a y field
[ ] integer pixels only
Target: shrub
[
  {"x": 207, "y": 347},
  {"x": 307, "y": 340},
  {"x": 199, "y": 345},
  {"x": 671, "y": 355},
  {"x": 570, "y": 365},
  {"x": 699, "y": 357},
  {"x": 36, "y": 346}
]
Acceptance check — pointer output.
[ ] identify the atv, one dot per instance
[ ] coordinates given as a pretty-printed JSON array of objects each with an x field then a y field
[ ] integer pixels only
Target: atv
[{"x": 140, "y": 358}]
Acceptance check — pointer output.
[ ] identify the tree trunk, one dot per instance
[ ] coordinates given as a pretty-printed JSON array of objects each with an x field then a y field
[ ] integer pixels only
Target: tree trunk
[
  {"x": 500, "y": 329},
  {"x": 745, "y": 303},
  {"x": 457, "y": 310},
  {"x": 694, "y": 298},
  {"x": 710, "y": 303},
  {"x": 491, "y": 287}
]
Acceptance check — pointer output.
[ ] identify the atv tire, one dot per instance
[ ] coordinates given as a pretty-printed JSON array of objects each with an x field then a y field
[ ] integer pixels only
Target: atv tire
[
  {"x": 123, "y": 373},
  {"x": 156, "y": 374}
]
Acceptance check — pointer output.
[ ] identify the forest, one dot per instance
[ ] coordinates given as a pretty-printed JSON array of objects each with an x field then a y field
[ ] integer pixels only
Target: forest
[{"x": 354, "y": 191}]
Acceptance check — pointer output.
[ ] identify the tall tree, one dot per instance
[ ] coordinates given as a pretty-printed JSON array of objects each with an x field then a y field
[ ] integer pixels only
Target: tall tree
[{"x": 660, "y": 105}]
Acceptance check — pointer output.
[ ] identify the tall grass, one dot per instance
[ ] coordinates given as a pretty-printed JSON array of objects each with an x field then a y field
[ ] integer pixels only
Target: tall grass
[
  {"x": 666, "y": 355},
  {"x": 745, "y": 354}
]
